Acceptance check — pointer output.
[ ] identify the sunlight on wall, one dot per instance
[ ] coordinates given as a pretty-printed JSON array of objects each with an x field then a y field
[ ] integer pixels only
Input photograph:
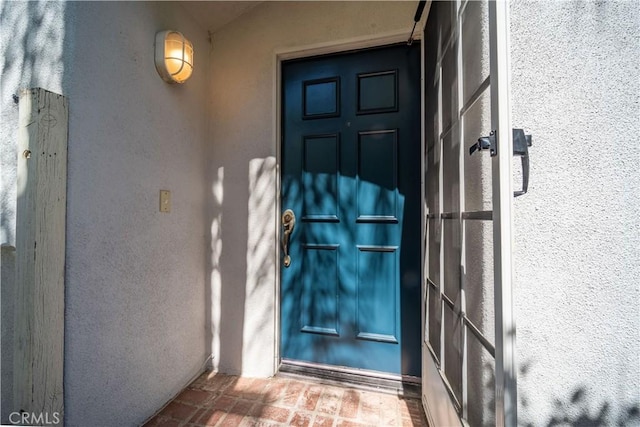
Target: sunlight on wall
[
  {"x": 576, "y": 252},
  {"x": 23, "y": 134},
  {"x": 31, "y": 46},
  {"x": 260, "y": 258},
  {"x": 217, "y": 189},
  {"x": 243, "y": 132}
]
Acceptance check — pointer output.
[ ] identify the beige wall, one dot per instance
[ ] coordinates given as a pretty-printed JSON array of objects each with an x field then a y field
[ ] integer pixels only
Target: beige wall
[
  {"x": 577, "y": 245},
  {"x": 243, "y": 169},
  {"x": 135, "y": 277}
]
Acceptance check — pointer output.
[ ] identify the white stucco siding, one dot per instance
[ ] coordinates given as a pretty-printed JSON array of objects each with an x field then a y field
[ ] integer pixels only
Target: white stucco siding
[
  {"x": 135, "y": 283},
  {"x": 243, "y": 150},
  {"x": 576, "y": 89}
]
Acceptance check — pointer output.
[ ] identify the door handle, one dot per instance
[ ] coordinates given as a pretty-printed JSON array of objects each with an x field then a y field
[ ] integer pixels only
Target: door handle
[
  {"x": 521, "y": 144},
  {"x": 288, "y": 224}
]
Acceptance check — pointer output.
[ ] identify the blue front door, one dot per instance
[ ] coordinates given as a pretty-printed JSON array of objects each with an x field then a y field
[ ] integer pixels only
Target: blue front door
[{"x": 351, "y": 175}]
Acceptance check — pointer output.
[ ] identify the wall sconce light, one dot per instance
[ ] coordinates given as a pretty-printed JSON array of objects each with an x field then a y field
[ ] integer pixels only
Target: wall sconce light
[{"x": 174, "y": 56}]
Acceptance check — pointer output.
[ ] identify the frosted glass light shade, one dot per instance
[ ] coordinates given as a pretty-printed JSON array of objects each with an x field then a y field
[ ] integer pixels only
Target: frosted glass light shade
[{"x": 174, "y": 56}]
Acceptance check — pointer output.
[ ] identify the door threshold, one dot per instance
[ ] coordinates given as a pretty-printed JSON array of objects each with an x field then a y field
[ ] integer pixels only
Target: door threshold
[{"x": 382, "y": 382}]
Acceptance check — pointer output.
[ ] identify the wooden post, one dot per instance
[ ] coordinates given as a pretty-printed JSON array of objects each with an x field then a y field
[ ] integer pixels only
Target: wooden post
[{"x": 40, "y": 255}]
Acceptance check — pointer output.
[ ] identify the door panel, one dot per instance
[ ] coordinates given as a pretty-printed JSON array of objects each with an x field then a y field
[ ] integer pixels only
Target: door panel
[
  {"x": 351, "y": 173},
  {"x": 320, "y": 285},
  {"x": 377, "y": 294},
  {"x": 377, "y": 176},
  {"x": 320, "y": 183}
]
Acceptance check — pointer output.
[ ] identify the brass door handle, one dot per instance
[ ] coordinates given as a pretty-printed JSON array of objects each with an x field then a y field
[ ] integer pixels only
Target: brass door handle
[{"x": 288, "y": 223}]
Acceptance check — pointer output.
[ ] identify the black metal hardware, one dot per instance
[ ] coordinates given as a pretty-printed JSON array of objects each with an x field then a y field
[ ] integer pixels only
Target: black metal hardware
[
  {"x": 521, "y": 144},
  {"x": 416, "y": 19},
  {"x": 485, "y": 143}
]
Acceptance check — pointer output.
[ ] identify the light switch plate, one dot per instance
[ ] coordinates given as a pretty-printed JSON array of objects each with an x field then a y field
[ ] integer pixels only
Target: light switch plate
[{"x": 165, "y": 201}]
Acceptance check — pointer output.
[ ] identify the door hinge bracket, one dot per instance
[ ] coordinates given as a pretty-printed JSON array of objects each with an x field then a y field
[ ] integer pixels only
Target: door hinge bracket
[{"x": 485, "y": 143}]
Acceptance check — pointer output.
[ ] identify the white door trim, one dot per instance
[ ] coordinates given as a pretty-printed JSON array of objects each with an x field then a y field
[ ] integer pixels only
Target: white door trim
[{"x": 505, "y": 367}]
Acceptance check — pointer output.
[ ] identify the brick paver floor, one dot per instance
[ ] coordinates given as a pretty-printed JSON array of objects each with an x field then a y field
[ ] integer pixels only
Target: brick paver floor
[{"x": 225, "y": 400}]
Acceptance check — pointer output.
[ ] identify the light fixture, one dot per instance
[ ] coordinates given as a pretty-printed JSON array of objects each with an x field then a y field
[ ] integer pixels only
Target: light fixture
[{"x": 174, "y": 56}]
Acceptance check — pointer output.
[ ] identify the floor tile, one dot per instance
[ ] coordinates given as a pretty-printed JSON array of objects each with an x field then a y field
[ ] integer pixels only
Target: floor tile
[{"x": 218, "y": 400}]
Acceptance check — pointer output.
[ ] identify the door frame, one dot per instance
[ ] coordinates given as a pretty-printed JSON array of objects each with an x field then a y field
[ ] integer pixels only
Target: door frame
[
  {"x": 305, "y": 51},
  {"x": 506, "y": 368}
]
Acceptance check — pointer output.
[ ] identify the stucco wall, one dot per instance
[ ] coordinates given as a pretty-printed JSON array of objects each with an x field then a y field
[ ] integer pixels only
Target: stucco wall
[
  {"x": 576, "y": 89},
  {"x": 138, "y": 300},
  {"x": 135, "y": 278},
  {"x": 243, "y": 165}
]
